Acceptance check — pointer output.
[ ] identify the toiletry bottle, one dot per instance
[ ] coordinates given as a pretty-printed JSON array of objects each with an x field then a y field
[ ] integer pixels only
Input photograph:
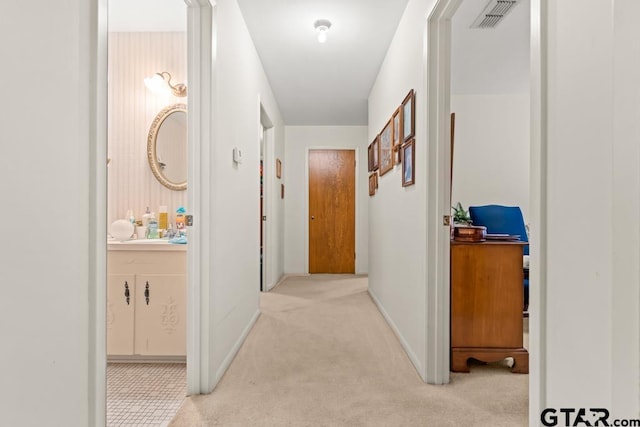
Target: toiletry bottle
[
  {"x": 180, "y": 222},
  {"x": 131, "y": 217},
  {"x": 152, "y": 229},
  {"x": 163, "y": 218},
  {"x": 146, "y": 217}
]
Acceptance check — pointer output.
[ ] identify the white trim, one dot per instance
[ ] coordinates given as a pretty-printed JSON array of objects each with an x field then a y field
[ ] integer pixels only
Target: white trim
[
  {"x": 97, "y": 387},
  {"x": 306, "y": 198},
  {"x": 200, "y": 66},
  {"x": 415, "y": 360},
  {"x": 438, "y": 125},
  {"x": 538, "y": 209},
  {"x": 236, "y": 347}
]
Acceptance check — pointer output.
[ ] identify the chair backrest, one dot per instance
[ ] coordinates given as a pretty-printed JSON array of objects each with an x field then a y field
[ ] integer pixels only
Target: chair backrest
[{"x": 500, "y": 220}]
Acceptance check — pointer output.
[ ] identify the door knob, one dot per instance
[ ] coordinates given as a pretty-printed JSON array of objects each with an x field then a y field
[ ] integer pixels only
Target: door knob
[{"x": 313, "y": 217}]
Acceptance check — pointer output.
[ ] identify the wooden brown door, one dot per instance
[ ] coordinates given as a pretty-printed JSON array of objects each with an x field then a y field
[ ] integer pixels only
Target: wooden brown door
[{"x": 332, "y": 211}]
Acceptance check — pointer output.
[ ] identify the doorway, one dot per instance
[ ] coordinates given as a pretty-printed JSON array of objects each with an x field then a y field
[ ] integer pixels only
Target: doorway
[
  {"x": 438, "y": 86},
  {"x": 332, "y": 195},
  {"x": 146, "y": 301}
]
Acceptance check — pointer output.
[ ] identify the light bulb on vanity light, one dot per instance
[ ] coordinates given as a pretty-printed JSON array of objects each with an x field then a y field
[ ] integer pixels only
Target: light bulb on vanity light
[{"x": 322, "y": 27}]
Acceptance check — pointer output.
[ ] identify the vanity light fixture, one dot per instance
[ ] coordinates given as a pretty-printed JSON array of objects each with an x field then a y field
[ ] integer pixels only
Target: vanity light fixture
[
  {"x": 159, "y": 81},
  {"x": 322, "y": 27}
]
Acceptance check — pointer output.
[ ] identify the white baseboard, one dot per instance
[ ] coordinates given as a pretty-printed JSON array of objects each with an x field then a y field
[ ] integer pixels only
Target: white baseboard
[
  {"x": 236, "y": 347},
  {"x": 412, "y": 356}
]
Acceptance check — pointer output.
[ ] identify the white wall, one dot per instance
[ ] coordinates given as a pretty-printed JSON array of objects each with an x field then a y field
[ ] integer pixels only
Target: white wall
[
  {"x": 298, "y": 140},
  {"x": 45, "y": 283},
  {"x": 132, "y": 109},
  {"x": 491, "y": 153},
  {"x": 240, "y": 86},
  {"x": 397, "y": 215},
  {"x": 592, "y": 183}
]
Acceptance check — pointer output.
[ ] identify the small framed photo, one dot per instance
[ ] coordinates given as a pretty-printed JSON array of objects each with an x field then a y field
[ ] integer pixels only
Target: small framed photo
[
  {"x": 409, "y": 116},
  {"x": 398, "y": 138},
  {"x": 373, "y": 151},
  {"x": 376, "y": 153},
  {"x": 408, "y": 163},
  {"x": 386, "y": 149},
  {"x": 278, "y": 168},
  {"x": 373, "y": 183}
]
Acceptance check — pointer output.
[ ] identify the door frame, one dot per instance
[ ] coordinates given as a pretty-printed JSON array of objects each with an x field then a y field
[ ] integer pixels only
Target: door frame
[
  {"x": 438, "y": 94},
  {"x": 200, "y": 63},
  {"x": 306, "y": 198},
  {"x": 269, "y": 191}
]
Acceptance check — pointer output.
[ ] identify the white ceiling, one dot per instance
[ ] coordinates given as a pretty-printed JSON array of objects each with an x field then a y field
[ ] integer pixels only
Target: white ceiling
[
  {"x": 328, "y": 84},
  {"x": 322, "y": 84}
]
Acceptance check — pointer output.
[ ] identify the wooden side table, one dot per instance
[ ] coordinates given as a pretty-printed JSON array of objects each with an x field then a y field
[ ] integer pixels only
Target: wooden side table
[{"x": 486, "y": 304}]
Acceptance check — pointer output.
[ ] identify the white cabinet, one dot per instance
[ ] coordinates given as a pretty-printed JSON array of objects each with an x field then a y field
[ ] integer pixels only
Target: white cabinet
[{"x": 146, "y": 303}]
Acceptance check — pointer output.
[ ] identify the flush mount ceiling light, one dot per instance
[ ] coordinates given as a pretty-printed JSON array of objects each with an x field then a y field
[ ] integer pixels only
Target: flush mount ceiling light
[
  {"x": 322, "y": 26},
  {"x": 159, "y": 81}
]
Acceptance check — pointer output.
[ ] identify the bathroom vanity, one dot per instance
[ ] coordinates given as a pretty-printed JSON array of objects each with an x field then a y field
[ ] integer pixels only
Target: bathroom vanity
[{"x": 146, "y": 300}]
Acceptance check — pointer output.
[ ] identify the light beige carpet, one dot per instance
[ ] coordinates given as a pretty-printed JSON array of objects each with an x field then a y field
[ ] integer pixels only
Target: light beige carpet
[{"x": 321, "y": 354}]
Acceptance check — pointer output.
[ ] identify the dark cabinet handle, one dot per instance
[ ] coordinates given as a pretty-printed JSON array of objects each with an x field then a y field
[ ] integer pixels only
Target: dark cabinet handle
[
  {"x": 126, "y": 292},
  {"x": 146, "y": 292}
]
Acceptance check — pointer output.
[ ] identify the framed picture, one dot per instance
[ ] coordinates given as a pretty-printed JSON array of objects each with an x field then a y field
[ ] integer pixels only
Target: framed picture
[
  {"x": 376, "y": 153},
  {"x": 409, "y": 116},
  {"x": 373, "y": 151},
  {"x": 278, "y": 168},
  {"x": 398, "y": 139},
  {"x": 372, "y": 183},
  {"x": 386, "y": 149},
  {"x": 409, "y": 163}
]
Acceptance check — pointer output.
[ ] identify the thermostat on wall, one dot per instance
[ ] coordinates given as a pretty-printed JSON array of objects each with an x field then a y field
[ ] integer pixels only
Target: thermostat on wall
[{"x": 237, "y": 155}]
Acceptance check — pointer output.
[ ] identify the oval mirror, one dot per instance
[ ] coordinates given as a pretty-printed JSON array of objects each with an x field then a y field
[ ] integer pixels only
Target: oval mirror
[{"x": 167, "y": 147}]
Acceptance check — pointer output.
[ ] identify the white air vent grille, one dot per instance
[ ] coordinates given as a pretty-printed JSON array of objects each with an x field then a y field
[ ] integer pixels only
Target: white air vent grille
[{"x": 495, "y": 12}]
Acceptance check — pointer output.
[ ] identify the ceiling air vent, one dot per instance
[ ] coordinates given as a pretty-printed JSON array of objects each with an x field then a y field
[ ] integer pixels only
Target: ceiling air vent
[{"x": 495, "y": 12}]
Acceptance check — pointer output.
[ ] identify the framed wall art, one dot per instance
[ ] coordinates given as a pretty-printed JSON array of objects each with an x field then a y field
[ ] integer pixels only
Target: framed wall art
[
  {"x": 409, "y": 116},
  {"x": 278, "y": 168},
  {"x": 372, "y": 183},
  {"x": 408, "y": 163},
  {"x": 398, "y": 139},
  {"x": 386, "y": 149},
  {"x": 374, "y": 154}
]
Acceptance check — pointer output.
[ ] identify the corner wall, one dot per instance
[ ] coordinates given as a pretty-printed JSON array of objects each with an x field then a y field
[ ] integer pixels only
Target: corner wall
[
  {"x": 240, "y": 85},
  {"x": 398, "y": 215},
  {"x": 297, "y": 142},
  {"x": 491, "y": 152}
]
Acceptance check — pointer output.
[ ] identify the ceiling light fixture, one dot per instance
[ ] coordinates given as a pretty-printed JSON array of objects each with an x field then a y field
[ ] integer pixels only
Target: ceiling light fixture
[
  {"x": 159, "y": 81},
  {"x": 322, "y": 26}
]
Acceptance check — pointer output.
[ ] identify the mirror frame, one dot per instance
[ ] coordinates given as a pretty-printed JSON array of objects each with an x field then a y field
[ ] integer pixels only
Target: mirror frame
[{"x": 151, "y": 146}]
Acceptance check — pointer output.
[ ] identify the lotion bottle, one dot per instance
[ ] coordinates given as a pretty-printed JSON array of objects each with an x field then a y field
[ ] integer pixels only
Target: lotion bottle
[
  {"x": 152, "y": 230},
  {"x": 146, "y": 217}
]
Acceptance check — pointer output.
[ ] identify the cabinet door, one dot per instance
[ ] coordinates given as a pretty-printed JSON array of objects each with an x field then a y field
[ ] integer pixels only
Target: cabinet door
[
  {"x": 120, "y": 313},
  {"x": 161, "y": 315}
]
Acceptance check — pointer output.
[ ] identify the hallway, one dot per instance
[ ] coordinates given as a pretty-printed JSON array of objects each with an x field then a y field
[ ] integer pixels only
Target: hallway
[{"x": 322, "y": 354}]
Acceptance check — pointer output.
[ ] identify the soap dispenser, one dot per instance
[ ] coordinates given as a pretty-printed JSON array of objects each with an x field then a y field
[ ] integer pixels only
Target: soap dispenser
[{"x": 146, "y": 217}]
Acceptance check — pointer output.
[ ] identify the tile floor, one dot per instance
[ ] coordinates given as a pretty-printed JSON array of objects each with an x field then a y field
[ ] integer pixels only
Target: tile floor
[{"x": 144, "y": 394}]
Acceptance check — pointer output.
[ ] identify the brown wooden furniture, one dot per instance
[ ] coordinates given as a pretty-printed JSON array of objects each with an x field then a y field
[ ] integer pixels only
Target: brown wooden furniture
[{"x": 486, "y": 304}]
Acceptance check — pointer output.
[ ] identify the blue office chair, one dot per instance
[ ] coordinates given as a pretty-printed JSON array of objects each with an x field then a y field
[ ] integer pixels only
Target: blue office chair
[{"x": 504, "y": 220}]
